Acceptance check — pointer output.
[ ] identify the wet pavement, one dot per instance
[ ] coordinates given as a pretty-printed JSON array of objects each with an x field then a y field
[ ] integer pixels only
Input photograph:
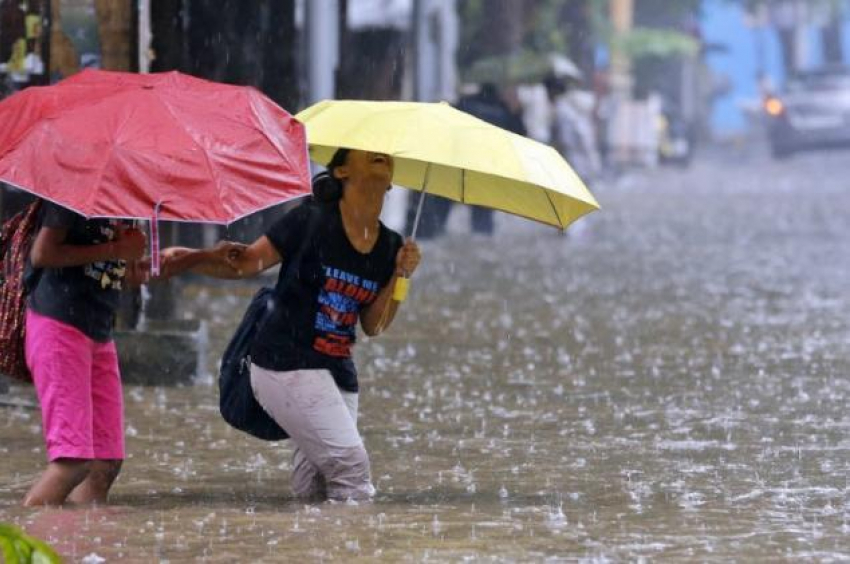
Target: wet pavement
[{"x": 669, "y": 381}]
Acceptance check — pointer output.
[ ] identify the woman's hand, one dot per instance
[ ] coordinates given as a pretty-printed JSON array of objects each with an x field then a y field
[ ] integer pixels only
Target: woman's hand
[
  {"x": 407, "y": 259},
  {"x": 229, "y": 251},
  {"x": 377, "y": 316},
  {"x": 249, "y": 260},
  {"x": 169, "y": 262},
  {"x": 218, "y": 261}
]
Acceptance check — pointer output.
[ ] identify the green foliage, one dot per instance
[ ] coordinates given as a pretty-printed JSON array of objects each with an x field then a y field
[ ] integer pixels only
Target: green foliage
[
  {"x": 646, "y": 42},
  {"x": 17, "y": 547},
  {"x": 550, "y": 31},
  {"x": 470, "y": 15},
  {"x": 665, "y": 9},
  {"x": 546, "y": 34},
  {"x": 546, "y": 30},
  {"x": 525, "y": 67}
]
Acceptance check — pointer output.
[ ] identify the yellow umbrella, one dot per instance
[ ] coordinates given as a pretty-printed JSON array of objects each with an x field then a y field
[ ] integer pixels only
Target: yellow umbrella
[{"x": 443, "y": 151}]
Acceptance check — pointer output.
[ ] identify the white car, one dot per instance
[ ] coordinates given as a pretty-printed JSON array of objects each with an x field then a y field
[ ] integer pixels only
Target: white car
[{"x": 812, "y": 112}]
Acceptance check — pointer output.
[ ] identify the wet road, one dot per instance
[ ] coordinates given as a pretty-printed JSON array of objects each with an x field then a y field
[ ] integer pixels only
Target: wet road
[{"x": 668, "y": 381}]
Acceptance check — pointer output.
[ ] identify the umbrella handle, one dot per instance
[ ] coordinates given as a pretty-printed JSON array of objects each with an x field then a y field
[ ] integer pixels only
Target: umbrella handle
[
  {"x": 154, "y": 226},
  {"x": 155, "y": 262},
  {"x": 402, "y": 283},
  {"x": 401, "y": 288}
]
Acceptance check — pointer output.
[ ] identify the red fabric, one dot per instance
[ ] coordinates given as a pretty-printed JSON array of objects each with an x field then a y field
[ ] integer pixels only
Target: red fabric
[{"x": 111, "y": 144}]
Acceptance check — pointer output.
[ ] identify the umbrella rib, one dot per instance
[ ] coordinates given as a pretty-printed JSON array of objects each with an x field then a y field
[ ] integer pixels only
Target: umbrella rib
[
  {"x": 24, "y": 134},
  {"x": 265, "y": 135},
  {"x": 210, "y": 167},
  {"x": 463, "y": 185},
  {"x": 93, "y": 194},
  {"x": 554, "y": 209}
]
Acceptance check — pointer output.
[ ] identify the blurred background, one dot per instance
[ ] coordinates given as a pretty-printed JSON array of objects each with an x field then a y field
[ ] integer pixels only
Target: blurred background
[
  {"x": 611, "y": 83},
  {"x": 667, "y": 380}
]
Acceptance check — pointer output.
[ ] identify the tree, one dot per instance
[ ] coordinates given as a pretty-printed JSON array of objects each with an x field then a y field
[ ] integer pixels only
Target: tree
[
  {"x": 528, "y": 29},
  {"x": 114, "y": 23},
  {"x": 248, "y": 43},
  {"x": 570, "y": 27},
  {"x": 492, "y": 28}
]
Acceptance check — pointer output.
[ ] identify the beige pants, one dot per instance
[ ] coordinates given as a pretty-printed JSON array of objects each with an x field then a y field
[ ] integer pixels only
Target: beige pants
[{"x": 329, "y": 460}]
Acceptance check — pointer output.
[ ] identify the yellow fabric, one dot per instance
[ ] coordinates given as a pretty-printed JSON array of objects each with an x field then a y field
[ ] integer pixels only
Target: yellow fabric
[{"x": 464, "y": 158}]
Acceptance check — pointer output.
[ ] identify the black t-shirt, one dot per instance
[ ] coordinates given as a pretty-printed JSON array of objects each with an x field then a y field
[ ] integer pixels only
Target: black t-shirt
[
  {"x": 84, "y": 297},
  {"x": 313, "y": 323}
]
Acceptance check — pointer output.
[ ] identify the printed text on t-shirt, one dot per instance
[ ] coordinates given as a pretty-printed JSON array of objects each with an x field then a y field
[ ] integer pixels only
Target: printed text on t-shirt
[{"x": 340, "y": 300}]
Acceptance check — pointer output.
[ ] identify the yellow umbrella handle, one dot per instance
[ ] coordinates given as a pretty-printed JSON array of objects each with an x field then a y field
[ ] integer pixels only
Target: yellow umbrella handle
[
  {"x": 402, "y": 283},
  {"x": 402, "y": 286}
]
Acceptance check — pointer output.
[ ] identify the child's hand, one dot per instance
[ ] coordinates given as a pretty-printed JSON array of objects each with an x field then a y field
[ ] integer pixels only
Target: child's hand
[
  {"x": 129, "y": 244},
  {"x": 138, "y": 272}
]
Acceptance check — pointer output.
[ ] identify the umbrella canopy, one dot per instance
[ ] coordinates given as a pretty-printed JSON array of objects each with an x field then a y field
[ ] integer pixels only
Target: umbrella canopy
[
  {"x": 111, "y": 144},
  {"x": 450, "y": 153}
]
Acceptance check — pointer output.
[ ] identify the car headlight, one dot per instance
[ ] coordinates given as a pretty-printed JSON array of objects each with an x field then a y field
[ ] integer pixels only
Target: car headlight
[{"x": 774, "y": 107}]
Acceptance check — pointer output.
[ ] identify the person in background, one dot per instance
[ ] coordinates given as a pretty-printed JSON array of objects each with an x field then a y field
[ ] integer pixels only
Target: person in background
[
  {"x": 80, "y": 266},
  {"x": 302, "y": 371},
  {"x": 573, "y": 127}
]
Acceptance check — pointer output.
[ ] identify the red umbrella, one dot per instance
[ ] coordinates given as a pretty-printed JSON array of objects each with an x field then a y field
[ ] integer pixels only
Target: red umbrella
[{"x": 141, "y": 146}]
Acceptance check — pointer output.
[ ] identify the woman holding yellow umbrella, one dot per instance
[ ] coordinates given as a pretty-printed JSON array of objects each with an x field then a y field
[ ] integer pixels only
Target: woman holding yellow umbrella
[
  {"x": 301, "y": 369},
  {"x": 302, "y": 373}
]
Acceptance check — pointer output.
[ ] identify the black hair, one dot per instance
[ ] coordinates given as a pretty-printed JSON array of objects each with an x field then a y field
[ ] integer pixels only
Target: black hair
[{"x": 326, "y": 187}]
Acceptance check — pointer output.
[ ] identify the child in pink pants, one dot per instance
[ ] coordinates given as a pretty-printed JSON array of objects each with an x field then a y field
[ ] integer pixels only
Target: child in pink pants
[{"x": 81, "y": 266}]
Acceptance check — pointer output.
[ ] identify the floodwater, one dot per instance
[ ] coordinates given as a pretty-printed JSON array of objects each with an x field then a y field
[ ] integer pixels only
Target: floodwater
[{"x": 669, "y": 381}]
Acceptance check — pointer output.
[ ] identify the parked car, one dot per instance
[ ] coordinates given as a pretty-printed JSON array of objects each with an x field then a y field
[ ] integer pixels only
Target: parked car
[{"x": 813, "y": 111}]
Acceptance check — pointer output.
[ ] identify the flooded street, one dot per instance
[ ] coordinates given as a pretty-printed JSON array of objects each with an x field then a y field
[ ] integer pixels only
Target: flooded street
[{"x": 669, "y": 380}]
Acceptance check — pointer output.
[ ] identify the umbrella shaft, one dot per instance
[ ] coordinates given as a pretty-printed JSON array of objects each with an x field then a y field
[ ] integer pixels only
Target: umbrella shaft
[
  {"x": 421, "y": 202},
  {"x": 418, "y": 214}
]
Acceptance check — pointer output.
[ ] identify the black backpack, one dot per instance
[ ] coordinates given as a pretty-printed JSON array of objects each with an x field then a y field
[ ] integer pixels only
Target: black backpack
[{"x": 237, "y": 403}]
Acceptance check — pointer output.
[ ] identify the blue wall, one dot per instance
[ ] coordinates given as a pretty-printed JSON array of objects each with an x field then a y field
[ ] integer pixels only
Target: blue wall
[
  {"x": 733, "y": 62},
  {"x": 723, "y": 24}
]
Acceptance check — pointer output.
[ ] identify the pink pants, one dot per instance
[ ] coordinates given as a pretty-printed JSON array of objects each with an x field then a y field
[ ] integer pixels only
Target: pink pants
[{"x": 79, "y": 388}]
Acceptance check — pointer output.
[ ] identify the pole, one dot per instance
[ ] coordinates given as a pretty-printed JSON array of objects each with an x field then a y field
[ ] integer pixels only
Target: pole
[
  {"x": 143, "y": 36},
  {"x": 420, "y": 77},
  {"x": 622, "y": 14},
  {"x": 322, "y": 49}
]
